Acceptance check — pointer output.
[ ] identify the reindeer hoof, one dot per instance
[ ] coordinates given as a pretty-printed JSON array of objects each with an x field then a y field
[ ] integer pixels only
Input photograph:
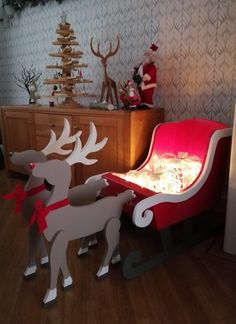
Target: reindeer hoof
[
  {"x": 133, "y": 193},
  {"x": 50, "y": 297},
  {"x": 67, "y": 283},
  {"x": 44, "y": 262},
  {"x": 102, "y": 272},
  {"x": 116, "y": 259},
  {"x": 93, "y": 243},
  {"x": 82, "y": 251},
  {"x": 46, "y": 305},
  {"x": 106, "y": 183},
  {"x": 30, "y": 272}
]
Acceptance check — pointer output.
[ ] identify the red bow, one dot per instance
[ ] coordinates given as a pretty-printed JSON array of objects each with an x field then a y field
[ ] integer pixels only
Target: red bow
[
  {"x": 41, "y": 212},
  {"x": 19, "y": 194}
]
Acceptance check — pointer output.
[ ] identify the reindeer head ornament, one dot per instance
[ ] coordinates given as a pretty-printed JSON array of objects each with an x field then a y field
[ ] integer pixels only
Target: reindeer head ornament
[
  {"x": 56, "y": 171},
  {"x": 54, "y": 146}
]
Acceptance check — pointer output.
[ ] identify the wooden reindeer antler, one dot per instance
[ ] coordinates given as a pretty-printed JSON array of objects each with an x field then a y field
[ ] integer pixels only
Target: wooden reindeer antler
[
  {"x": 96, "y": 53},
  {"x": 113, "y": 52},
  {"x": 110, "y": 52},
  {"x": 55, "y": 146},
  {"x": 80, "y": 153}
]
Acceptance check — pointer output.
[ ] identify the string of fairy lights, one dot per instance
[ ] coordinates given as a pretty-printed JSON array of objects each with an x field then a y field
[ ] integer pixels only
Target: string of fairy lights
[{"x": 167, "y": 173}]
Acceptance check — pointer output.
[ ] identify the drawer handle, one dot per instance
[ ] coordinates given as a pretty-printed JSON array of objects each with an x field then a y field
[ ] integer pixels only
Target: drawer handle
[{"x": 52, "y": 125}]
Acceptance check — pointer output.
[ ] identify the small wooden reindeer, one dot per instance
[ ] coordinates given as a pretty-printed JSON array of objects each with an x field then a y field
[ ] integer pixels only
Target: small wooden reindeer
[
  {"x": 35, "y": 189},
  {"x": 108, "y": 84},
  {"x": 60, "y": 222}
]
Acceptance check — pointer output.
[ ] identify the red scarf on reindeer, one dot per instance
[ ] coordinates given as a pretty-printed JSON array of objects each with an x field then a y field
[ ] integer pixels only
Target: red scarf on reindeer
[
  {"x": 20, "y": 195},
  {"x": 41, "y": 212}
]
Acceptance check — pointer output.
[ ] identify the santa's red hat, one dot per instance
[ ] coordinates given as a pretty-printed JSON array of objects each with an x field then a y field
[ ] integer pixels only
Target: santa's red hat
[
  {"x": 154, "y": 47},
  {"x": 151, "y": 52},
  {"x": 126, "y": 83}
]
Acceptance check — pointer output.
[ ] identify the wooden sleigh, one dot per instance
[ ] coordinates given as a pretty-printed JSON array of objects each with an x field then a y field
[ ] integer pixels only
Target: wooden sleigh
[{"x": 205, "y": 141}]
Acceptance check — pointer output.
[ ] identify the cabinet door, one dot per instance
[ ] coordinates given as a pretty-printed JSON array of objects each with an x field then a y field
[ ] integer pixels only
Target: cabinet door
[
  {"x": 18, "y": 135},
  {"x": 111, "y": 157}
]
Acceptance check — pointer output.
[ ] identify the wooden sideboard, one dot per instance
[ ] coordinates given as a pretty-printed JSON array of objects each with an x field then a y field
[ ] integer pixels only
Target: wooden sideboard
[{"x": 128, "y": 132}]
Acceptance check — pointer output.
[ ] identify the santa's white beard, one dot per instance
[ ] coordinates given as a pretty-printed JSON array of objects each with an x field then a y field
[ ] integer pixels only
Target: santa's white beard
[{"x": 149, "y": 58}]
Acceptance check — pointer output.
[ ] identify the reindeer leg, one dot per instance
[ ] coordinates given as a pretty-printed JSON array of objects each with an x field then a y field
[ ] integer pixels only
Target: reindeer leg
[
  {"x": 116, "y": 95},
  {"x": 110, "y": 93},
  {"x": 86, "y": 242},
  {"x": 116, "y": 258},
  {"x": 103, "y": 92},
  {"x": 57, "y": 257},
  {"x": 67, "y": 280},
  {"x": 112, "y": 233},
  {"x": 33, "y": 243},
  {"x": 93, "y": 240},
  {"x": 83, "y": 250},
  {"x": 43, "y": 251}
]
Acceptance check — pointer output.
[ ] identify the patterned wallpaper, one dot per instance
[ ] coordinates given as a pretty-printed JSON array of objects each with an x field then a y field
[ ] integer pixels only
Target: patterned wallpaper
[{"x": 196, "y": 56}]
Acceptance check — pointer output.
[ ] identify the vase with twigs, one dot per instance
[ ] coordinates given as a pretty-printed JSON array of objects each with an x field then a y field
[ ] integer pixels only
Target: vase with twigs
[{"x": 27, "y": 80}]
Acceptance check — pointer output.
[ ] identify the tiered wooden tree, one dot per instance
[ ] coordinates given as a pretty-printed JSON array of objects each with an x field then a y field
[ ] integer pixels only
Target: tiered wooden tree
[{"x": 70, "y": 72}]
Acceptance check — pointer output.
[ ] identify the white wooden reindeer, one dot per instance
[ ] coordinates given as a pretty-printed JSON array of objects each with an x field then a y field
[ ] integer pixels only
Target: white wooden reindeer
[
  {"x": 35, "y": 189},
  {"x": 60, "y": 222}
]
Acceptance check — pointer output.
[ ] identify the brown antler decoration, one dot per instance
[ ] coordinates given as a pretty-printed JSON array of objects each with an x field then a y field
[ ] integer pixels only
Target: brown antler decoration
[{"x": 108, "y": 84}]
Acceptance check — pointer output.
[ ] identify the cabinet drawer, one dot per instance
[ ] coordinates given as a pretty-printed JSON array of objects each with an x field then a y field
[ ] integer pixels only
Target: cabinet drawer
[{"x": 45, "y": 122}]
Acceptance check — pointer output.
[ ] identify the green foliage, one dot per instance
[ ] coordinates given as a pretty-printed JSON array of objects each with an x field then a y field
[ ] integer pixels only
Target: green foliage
[{"x": 20, "y": 4}]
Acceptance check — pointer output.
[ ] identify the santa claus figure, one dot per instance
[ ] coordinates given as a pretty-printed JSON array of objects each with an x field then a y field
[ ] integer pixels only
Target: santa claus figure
[
  {"x": 145, "y": 76},
  {"x": 128, "y": 95}
]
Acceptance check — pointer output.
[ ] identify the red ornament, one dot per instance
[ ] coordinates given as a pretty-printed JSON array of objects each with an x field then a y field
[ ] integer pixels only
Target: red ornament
[{"x": 32, "y": 165}]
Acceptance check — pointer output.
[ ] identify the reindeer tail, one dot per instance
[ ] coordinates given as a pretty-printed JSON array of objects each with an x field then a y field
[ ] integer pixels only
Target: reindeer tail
[
  {"x": 101, "y": 183},
  {"x": 126, "y": 196}
]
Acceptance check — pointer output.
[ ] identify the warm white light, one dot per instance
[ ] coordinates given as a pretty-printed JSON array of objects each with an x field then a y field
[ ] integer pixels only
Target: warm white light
[{"x": 166, "y": 173}]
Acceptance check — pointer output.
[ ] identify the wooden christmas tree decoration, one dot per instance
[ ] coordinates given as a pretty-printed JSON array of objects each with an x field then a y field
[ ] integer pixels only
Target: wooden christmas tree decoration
[{"x": 70, "y": 72}]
